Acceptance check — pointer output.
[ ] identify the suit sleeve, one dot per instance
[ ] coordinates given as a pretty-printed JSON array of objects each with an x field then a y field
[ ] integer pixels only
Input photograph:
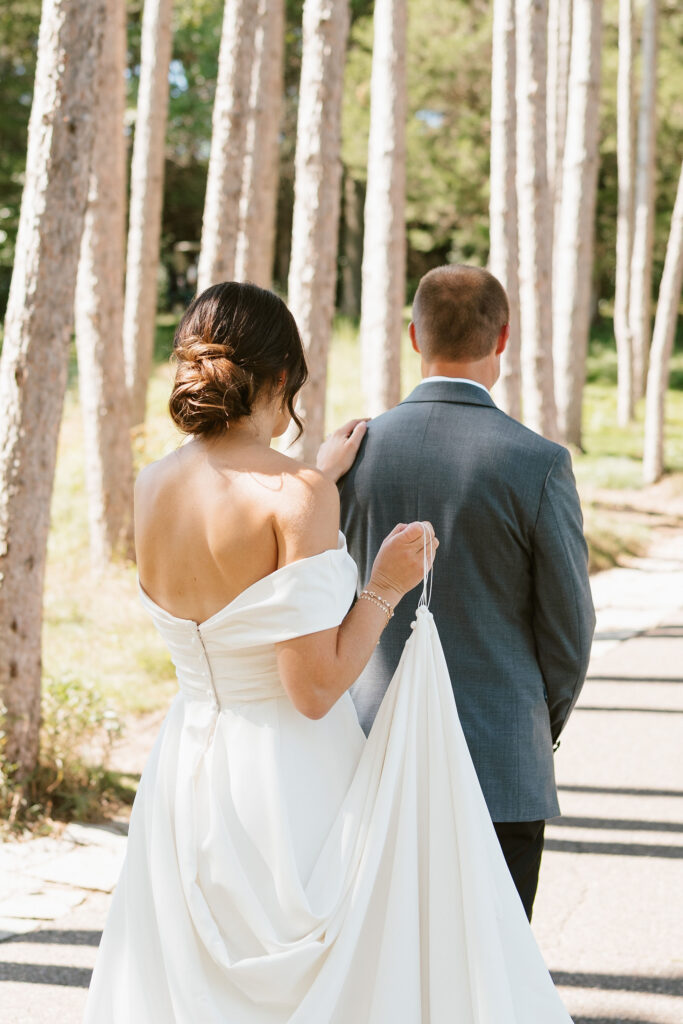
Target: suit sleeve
[{"x": 563, "y": 614}]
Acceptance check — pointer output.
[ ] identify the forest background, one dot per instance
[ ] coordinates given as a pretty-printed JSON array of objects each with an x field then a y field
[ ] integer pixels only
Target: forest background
[
  {"x": 448, "y": 137},
  {"x": 86, "y": 698}
]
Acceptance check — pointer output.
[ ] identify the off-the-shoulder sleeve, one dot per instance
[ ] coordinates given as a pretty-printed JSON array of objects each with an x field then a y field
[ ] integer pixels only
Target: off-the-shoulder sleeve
[{"x": 303, "y": 597}]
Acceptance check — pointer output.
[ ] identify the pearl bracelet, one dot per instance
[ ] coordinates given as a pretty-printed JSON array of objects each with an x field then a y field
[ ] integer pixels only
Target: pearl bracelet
[{"x": 370, "y": 595}]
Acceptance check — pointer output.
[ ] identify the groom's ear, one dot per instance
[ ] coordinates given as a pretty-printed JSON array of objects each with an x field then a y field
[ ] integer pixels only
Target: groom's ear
[
  {"x": 413, "y": 338},
  {"x": 502, "y": 339}
]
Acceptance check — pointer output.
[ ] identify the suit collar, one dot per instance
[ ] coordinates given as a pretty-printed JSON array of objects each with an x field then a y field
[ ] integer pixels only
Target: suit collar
[{"x": 450, "y": 391}]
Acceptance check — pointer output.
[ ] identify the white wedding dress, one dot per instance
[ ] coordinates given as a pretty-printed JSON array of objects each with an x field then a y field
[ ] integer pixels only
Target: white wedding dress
[{"x": 280, "y": 869}]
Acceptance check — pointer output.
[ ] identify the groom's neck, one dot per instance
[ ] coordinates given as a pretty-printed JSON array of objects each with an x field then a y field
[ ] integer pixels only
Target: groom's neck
[{"x": 481, "y": 371}]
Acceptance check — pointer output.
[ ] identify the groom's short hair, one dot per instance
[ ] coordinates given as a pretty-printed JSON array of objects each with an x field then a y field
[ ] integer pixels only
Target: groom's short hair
[{"x": 459, "y": 312}]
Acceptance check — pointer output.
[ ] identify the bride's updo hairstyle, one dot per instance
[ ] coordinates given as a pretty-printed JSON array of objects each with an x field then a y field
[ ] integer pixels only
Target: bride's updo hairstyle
[{"x": 231, "y": 347}]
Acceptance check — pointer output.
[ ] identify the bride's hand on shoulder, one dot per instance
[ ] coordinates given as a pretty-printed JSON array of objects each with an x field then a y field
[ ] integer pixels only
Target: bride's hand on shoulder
[
  {"x": 399, "y": 565},
  {"x": 337, "y": 453}
]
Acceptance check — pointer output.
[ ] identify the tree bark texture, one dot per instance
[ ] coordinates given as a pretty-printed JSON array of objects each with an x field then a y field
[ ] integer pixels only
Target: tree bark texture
[
  {"x": 256, "y": 236},
  {"x": 503, "y": 256},
  {"x": 643, "y": 230},
  {"x": 534, "y": 212},
  {"x": 228, "y": 141},
  {"x": 662, "y": 344},
  {"x": 575, "y": 231},
  {"x": 99, "y": 310},
  {"x": 317, "y": 186},
  {"x": 625, "y": 168},
  {"x": 351, "y": 245},
  {"x": 146, "y": 197},
  {"x": 559, "y": 55},
  {"x": 33, "y": 369},
  {"x": 384, "y": 257}
]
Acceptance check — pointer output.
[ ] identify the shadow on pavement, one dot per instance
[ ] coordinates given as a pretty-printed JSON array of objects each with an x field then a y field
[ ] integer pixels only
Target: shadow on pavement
[
  {"x": 663, "y": 986},
  {"x": 46, "y": 974},
  {"x": 638, "y": 711},
  {"x": 612, "y": 1020},
  {"x": 667, "y": 632},
  {"x": 620, "y": 824},
  {"x": 615, "y": 849},
  {"x": 633, "y": 679},
  {"x": 620, "y": 790},
  {"x": 61, "y": 937}
]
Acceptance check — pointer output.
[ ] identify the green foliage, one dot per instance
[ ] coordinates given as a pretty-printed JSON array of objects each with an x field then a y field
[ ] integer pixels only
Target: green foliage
[
  {"x": 18, "y": 40},
  {"x": 448, "y": 130},
  {"x": 71, "y": 780},
  {"x": 448, "y": 90},
  {"x": 668, "y": 139}
]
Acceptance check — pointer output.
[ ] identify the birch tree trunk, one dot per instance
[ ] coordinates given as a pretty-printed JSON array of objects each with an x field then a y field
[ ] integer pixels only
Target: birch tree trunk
[
  {"x": 643, "y": 232},
  {"x": 33, "y": 368},
  {"x": 351, "y": 246},
  {"x": 559, "y": 54},
  {"x": 662, "y": 344},
  {"x": 534, "y": 212},
  {"x": 575, "y": 231},
  {"x": 313, "y": 265},
  {"x": 625, "y": 162},
  {"x": 99, "y": 310},
  {"x": 146, "y": 197},
  {"x": 221, "y": 219},
  {"x": 504, "y": 257},
  {"x": 384, "y": 258},
  {"x": 256, "y": 236}
]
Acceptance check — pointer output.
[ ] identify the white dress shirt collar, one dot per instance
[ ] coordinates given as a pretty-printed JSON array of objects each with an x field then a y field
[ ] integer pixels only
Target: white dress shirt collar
[{"x": 456, "y": 380}]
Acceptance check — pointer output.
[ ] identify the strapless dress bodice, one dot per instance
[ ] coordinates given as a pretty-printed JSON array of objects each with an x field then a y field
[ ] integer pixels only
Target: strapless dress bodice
[{"x": 230, "y": 658}]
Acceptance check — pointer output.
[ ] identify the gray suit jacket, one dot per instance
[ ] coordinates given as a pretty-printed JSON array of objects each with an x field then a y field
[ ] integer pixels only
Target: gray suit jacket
[{"x": 511, "y": 597}]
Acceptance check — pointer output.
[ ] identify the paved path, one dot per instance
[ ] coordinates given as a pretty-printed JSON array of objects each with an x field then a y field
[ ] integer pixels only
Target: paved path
[{"x": 609, "y": 915}]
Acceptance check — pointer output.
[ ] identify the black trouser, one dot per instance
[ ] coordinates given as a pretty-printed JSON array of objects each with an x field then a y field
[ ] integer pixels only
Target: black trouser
[{"x": 522, "y": 846}]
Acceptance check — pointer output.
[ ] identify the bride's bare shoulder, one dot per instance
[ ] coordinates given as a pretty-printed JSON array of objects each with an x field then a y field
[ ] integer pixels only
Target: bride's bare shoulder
[
  {"x": 307, "y": 515},
  {"x": 154, "y": 474}
]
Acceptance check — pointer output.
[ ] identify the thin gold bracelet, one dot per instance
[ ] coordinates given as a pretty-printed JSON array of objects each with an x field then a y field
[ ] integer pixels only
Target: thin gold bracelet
[
  {"x": 382, "y": 600},
  {"x": 370, "y": 595}
]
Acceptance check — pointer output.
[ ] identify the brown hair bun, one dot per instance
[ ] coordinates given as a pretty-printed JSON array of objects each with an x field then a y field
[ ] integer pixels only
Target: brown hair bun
[{"x": 234, "y": 341}]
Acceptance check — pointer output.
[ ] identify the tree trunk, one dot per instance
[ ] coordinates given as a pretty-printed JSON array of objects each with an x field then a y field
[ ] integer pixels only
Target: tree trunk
[
  {"x": 662, "y": 344},
  {"x": 503, "y": 256},
  {"x": 34, "y": 364},
  {"x": 534, "y": 212},
  {"x": 559, "y": 55},
  {"x": 351, "y": 246},
  {"x": 625, "y": 161},
  {"x": 313, "y": 265},
  {"x": 283, "y": 231},
  {"x": 256, "y": 236},
  {"x": 643, "y": 232},
  {"x": 228, "y": 140},
  {"x": 99, "y": 310},
  {"x": 146, "y": 197},
  {"x": 575, "y": 231},
  {"x": 384, "y": 257}
]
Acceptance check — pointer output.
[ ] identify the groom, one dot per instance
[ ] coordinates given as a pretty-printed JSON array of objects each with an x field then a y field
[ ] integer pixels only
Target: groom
[{"x": 511, "y": 596}]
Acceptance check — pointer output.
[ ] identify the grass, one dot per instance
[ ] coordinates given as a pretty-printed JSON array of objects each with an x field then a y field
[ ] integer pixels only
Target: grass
[{"x": 101, "y": 649}]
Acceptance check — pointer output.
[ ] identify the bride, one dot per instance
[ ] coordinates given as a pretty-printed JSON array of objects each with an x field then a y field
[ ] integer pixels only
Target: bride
[{"x": 280, "y": 867}]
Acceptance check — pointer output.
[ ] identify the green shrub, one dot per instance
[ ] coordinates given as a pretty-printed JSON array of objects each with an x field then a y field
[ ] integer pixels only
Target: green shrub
[{"x": 71, "y": 780}]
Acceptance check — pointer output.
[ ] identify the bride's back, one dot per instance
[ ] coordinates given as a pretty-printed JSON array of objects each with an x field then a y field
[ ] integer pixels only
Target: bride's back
[
  {"x": 211, "y": 518},
  {"x": 209, "y": 522}
]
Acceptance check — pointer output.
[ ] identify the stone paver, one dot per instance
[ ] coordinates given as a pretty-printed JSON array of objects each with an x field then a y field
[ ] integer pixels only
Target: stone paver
[{"x": 609, "y": 914}]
